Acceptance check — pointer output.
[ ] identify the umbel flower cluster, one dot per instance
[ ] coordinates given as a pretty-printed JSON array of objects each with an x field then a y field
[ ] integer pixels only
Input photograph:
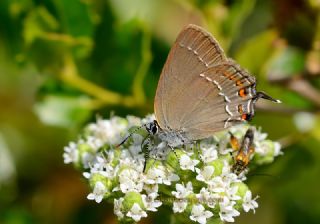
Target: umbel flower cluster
[{"x": 195, "y": 181}]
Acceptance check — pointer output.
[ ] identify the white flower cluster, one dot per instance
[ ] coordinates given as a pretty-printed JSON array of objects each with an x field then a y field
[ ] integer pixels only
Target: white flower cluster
[{"x": 196, "y": 180}]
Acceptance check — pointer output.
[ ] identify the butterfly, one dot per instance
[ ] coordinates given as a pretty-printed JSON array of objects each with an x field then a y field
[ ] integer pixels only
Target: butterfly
[{"x": 200, "y": 91}]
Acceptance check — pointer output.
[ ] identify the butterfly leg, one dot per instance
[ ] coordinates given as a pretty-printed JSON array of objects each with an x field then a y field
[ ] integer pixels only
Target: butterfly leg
[{"x": 145, "y": 145}]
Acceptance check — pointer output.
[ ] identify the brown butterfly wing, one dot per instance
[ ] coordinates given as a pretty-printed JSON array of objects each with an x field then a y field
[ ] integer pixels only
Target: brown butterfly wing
[{"x": 194, "y": 51}]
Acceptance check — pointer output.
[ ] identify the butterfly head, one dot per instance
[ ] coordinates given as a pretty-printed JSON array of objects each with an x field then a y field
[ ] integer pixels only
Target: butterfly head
[{"x": 152, "y": 127}]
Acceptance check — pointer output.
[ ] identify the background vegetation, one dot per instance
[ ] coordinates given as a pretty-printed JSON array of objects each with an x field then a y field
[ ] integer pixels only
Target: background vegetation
[{"x": 64, "y": 62}]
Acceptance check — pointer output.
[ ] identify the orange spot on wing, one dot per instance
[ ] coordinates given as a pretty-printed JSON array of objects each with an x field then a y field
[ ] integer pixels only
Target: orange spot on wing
[
  {"x": 244, "y": 117},
  {"x": 242, "y": 92}
]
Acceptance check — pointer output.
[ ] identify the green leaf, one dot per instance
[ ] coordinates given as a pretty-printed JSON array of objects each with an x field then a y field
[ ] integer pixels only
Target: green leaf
[
  {"x": 75, "y": 16},
  {"x": 253, "y": 54},
  {"x": 62, "y": 110},
  {"x": 287, "y": 63}
]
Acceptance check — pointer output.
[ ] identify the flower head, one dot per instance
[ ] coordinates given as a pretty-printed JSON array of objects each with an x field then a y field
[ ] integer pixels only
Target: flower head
[{"x": 195, "y": 180}]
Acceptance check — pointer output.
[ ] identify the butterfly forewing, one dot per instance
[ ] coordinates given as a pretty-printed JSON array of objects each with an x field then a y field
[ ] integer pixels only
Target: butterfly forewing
[{"x": 194, "y": 51}]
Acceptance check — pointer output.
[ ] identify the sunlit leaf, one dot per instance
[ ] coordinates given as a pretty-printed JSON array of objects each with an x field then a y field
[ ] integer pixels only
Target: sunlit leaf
[
  {"x": 143, "y": 10},
  {"x": 253, "y": 54},
  {"x": 37, "y": 23},
  {"x": 289, "y": 62},
  {"x": 63, "y": 111}
]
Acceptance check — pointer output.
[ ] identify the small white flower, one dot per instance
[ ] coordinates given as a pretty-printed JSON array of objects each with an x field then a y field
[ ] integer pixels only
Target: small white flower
[
  {"x": 186, "y": 163},
  {"x": 108, "y": 131},
  {"x": 227, "y": 211},
  {"x": 277, "y": 149},
  {"x": 249, "y": 203},
  {"x": 150, "y": 203},
  {"x": 155, "y": 175},
  {"x": 101, "y": 167},
  {"x": 179, "y": 205},
  {"x": 130, "y": 180},
  {"x": 171, "y": 177},
  {"x": 98, "y": 192},
  {"x": 87, "y": 159},
  {"x": 217, "y": 185},
  {"x": 160, "y": 175},
  {"x": 71, "y": 153},
  {"x": 151, "y": 188},
  {"x": 109, "y": 155},
  {"x": 228, "y": 176},
  {"x": 205, "y": 174},
  {"x": 199, "y": 214},
  {"x": 232, "y": 193},
  {"x": 94, "y": 143},
  {"x": 183, "y": 191},
  {"x": 209, "y": 154},
  {"x": 136, "y": 213},
  {"x": 205, "y": 197},
  {"x": 259, "y": 136},
  {"x": 261, "y": 148},
  {"x": 117, "y": 207}
]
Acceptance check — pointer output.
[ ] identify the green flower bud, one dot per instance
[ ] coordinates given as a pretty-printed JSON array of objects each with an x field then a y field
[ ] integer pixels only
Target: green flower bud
[
  {"x": 130, "y": 198},
  {"x": 242, "y": 189},
  {"x": 98, "y": 177},
  {"x": 85, "y": 148},
  {"x": 268, "y": 147},
  {"x": 218, "y": 165}
]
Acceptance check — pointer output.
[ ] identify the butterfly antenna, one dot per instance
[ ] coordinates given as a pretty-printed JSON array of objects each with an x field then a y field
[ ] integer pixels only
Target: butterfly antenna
[
  {"x": 126, "y": 138},
  {"x": 265, "y": 96}
]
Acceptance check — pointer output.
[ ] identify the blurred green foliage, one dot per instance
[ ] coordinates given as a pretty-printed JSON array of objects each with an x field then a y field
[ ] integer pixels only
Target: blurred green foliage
[{"x": 63, "y": 62}]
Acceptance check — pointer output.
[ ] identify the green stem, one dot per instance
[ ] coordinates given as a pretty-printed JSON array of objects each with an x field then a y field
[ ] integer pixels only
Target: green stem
[
  {"x": 70, "y": 76},
  {"x": 146, "y": 58}
]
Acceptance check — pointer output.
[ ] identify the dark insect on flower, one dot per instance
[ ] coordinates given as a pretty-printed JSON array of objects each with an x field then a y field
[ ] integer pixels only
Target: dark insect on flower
[{"x": 244, "y": 151}]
